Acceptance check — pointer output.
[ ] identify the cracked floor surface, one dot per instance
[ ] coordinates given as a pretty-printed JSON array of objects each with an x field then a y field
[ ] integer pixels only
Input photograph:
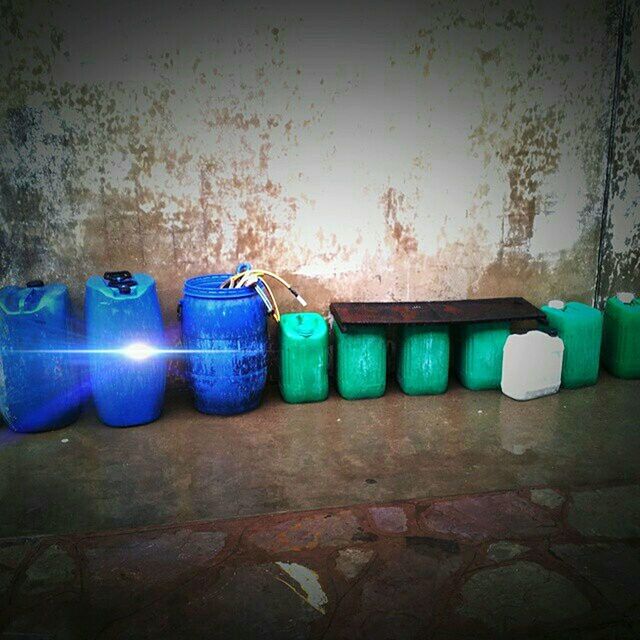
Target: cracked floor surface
[{"x": 534, "y": 563}]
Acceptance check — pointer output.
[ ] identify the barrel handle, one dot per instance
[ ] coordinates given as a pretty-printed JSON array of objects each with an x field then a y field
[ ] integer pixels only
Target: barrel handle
[
  {"x": 243, "y": 266},
  {"x": 179, "y": 310},
  {"x": 124, "y": 286},
  {"x": 26, "y": 295}
]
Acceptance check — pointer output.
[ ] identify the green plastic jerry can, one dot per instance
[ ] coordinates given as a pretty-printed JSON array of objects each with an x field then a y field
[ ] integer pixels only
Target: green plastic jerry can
[
  {"x": 621, "y": 337},
  {"x": 361, "y": 361},
  {"x": 422, "y": 365},
  {"x": 580, "y": 328},
  {"x": 304, "y": 357},
  {"x": 478, "y": 354}
]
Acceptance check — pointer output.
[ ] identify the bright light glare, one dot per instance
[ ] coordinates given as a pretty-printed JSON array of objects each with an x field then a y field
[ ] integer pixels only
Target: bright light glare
[{"x": 139, "y": 351}]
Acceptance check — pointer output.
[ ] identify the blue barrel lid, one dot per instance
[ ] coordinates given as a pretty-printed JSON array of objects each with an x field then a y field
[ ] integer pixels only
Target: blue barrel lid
[
  {"x": 139, "y": 283},
  {"x": 209, "y": 287},
  {"x": 30, "y": 299}
]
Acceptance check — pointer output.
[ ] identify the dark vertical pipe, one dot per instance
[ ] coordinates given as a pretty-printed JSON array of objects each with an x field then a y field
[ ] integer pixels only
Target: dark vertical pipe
[{"x": 615, "y": 100}]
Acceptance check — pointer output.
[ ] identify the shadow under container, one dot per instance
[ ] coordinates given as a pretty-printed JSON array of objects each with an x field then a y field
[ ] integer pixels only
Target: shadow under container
[
  {"x": 621, "y": 337},
  {"x": 224, "y": 333},
  {"x": 422, "y": 363},
  {"x": 304, "y": 357},
  {"x": 361, "y": 361},
  {"x": 41, "y": 383},
  {"x": 579, "y": 326},
  {"x": 478, "y": 353}
]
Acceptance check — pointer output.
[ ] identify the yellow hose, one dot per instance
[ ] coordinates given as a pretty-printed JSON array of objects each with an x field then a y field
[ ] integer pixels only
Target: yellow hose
[
  {"x": 276, "y": 309},
  {"x": 259, "y": 275}
]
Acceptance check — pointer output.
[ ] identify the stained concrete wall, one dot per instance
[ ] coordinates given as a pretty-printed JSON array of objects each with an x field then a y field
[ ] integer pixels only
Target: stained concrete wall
[
  {"x": 389, "y": 150},
  {"x": 621, "y": 240}
]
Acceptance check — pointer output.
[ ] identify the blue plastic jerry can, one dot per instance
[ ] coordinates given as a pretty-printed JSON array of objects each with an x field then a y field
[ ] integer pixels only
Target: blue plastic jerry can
[
  {"x": 41, "y": 381},
  {"x": 125, "y": 339}
]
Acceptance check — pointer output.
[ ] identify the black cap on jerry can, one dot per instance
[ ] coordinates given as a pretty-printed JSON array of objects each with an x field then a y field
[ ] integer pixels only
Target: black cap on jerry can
[{"x": 117, "y": 276}]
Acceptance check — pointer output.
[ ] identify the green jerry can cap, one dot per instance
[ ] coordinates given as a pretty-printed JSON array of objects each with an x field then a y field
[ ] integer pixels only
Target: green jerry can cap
[
  {"x": 557, "y": 304},
  {"x": 305, "y": 324},
  {"x": 625, "y": 297}
]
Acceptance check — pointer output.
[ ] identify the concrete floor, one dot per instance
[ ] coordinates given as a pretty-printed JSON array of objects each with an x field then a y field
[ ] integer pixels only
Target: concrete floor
[
  {"x": 191, "y": 467},
  {"x": 467, "y": 516}
]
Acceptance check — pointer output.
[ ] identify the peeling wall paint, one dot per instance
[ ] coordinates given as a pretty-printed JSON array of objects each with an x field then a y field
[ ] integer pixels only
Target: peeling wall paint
[
  {"x": 621, "y": 246},
  {"x": 393, "y": 150}
]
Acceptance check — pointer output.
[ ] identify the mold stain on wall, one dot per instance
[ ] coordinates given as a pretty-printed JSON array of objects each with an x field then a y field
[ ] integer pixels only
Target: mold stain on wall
[
  {"x": 402, "y": 234},
  {"x": 443, "y": 175},
  {"x": 621, "y": 242},
  {"x": 531, "y": 154}
]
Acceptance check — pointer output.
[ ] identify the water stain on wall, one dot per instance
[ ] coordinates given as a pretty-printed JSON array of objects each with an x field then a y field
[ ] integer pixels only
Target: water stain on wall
[
  {"x": 402, "y": 234},
  {"x": 621, "y": 242},
  {"x": 231, "y": 153},
  {"x": 530, "y": 155},
  {"x": 517, "y": 273}
]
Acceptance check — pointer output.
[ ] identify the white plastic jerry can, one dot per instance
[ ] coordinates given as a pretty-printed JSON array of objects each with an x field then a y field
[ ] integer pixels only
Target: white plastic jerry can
[{"x": 532, "y": 365}]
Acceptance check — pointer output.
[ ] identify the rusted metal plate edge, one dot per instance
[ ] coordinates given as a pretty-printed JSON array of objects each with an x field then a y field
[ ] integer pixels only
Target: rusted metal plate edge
[{"x": 434, "y": 312}]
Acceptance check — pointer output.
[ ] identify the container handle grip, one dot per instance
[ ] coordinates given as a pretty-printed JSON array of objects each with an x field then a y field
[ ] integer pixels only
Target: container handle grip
[
  {"x": 117, "y": 275},
  {"x": 243, "y": 266}
]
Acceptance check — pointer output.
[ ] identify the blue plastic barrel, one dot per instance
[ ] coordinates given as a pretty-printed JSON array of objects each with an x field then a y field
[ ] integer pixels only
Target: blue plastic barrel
[
  {"x": 40, "y": 373},
  {"x": 124, "y": 327},
  {"x": 225, "y": 334}
]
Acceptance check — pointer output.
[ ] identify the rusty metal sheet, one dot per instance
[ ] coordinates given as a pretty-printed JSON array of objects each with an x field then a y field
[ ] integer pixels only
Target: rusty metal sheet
[{"x": 434, "y": 312}]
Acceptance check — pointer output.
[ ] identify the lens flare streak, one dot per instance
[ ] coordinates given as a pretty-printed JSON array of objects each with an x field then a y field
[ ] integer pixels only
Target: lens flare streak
[
  {"x": 135, "y": 351},
  {"x": 139, "y": 351}
]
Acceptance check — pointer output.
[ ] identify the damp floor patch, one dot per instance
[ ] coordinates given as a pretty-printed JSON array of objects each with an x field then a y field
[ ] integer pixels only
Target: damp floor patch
[{"x": 188, "y": 466}]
